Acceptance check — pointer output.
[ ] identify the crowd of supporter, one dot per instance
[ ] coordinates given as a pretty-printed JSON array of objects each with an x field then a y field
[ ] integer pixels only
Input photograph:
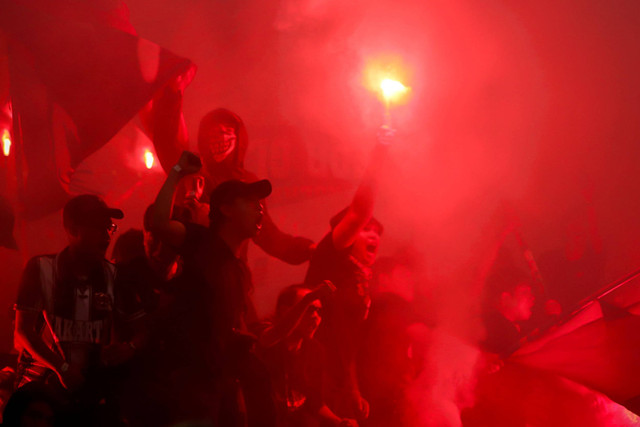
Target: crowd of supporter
[{"x": 168, "y": 334}]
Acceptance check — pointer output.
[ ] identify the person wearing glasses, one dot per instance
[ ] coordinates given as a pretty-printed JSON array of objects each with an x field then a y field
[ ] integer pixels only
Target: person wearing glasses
[{"x": 67, "y": 306}]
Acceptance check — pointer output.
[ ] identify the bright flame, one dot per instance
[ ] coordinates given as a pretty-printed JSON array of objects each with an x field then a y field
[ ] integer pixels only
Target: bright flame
[
  {"x": 6, "y": 143},
  {"x": 383, "y": 76},
  {"x": 148, "y": 159},
  {"x": 392, "y": 88}
]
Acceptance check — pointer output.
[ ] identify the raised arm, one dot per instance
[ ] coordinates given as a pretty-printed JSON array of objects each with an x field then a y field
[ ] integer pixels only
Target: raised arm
[
  {"x": 290, "y": 249},
  {"x": 169, "y": 231},
  {"x": 361, "y": 209}
]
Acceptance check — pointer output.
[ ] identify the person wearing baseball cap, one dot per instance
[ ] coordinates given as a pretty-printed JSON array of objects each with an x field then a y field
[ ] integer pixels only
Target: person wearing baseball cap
[
  {"x": 88, "y": 222},
  {"x": 75, "y": 292},
  {"x": 226, "y": 194},
  {"x": 217, "y": 286}
]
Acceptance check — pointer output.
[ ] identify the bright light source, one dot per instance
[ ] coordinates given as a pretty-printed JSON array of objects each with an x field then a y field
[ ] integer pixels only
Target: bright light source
[
  {"x": 387, "y": 76},
  {"x": 148, "y": 159},
  {"x": 392, "y": 88},
  {"x": 6, "y": 142}
]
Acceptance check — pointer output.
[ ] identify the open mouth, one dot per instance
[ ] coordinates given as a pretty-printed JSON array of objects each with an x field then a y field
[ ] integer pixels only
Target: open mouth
[
  {"x": 221, "y": 147},
  {"x": 191, "y": 200},
  {"x": 372, "y": 248}
]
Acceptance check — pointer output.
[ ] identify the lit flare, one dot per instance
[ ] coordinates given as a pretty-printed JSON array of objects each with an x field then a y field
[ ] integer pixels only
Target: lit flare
[
  {"x": 391, "y": 89},
  {"x": 148, "y": 159},
  {"x": 6, "y": 142}
]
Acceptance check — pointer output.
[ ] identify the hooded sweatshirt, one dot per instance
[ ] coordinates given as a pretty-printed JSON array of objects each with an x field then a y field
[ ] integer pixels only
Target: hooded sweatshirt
[{"x": 288, "y": 248}]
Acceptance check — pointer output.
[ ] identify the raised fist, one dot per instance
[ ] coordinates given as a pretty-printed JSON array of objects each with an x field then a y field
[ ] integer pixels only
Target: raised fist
[{"x": 189, "y": 163}]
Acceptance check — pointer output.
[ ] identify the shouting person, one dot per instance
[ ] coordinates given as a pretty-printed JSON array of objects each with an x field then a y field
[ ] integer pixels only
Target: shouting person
[
  {"x": 345, "y": 257},
  {"x": 222, "y": 143},
  {"x": 221, "y": 380}
]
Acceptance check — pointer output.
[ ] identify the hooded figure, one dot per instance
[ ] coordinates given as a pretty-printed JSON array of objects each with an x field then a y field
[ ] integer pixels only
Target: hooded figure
[{"x": 222, "y": 143}]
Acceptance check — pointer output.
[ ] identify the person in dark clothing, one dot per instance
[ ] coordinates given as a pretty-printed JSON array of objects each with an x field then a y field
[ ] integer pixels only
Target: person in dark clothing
[
  {"x": 148, "y": 274},
  {"x": 345, "y": 257},
  {"x": 154, "y": 277},
  {"x": 68, "y": 304},
  {"x": 222, "y": 143},
  {"x": 385, "y": 378},
  {"x": 217, "y": 281},
  {"x": 510, "y": 306},
  {"x": 296, "y": 360},
  {"x": 128, "y": 246},
  {"x": 507, "y": 302}
]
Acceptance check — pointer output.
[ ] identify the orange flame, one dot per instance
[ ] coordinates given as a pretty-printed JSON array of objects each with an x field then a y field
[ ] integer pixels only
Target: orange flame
[
  {"x": 6, "y": 142},
  {"x": 148, "y": 159},
  {"x": 392, "y": 89},
  {"x": 383, "y": 75}
]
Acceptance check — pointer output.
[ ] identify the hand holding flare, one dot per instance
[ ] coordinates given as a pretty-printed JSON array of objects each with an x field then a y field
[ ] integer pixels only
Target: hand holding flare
[{"x": 391, "y": 89}]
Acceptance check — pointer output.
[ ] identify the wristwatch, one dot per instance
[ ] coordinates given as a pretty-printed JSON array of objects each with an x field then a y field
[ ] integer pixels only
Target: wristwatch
[
  {"x": 177, "y": 168},
  {"x": 64, "y": 367}
]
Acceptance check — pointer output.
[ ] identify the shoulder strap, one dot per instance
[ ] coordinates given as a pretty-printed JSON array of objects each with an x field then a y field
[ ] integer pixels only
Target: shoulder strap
[
  {"x": 49, "y": 272},
  {"x": 48, "y": 275},
  {"x": 110, "y": 277}
]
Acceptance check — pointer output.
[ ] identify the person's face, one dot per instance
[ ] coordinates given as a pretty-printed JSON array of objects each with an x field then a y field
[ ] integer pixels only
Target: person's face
[
  {"x": 245, "y": 215},
  {"x": 365, "y": 247},
  {"x": 222, "y": 141},
  {"x": 189, "y": 191},
  {"x": 92, "y": 239},
  {"x": 518, "y": 303},
  {"x": 310, "y": 319}
]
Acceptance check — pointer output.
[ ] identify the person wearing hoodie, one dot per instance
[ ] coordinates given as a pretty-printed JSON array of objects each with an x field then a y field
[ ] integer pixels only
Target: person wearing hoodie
[{"x": 222, "y": 144}]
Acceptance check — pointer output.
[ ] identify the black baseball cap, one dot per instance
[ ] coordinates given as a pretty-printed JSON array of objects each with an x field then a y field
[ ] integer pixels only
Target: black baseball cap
[
  {"x": 335, "y": 220},
  {"x": 230, "y": 190},
  {"x": 88, "y": 209}
]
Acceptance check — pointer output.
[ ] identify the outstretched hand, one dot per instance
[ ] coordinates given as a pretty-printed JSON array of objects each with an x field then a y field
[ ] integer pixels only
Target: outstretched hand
[{"x": 189, "y": 163}]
